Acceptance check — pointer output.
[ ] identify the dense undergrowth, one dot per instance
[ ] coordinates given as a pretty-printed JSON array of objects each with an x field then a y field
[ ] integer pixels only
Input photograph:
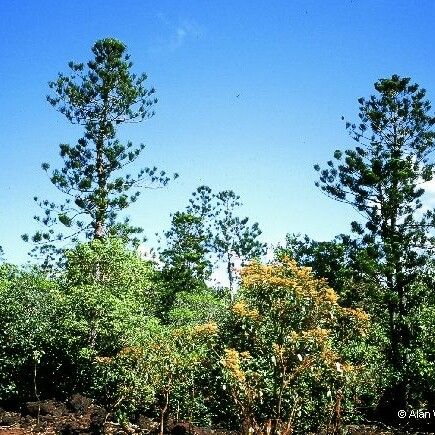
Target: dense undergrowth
[{"x": 282, "y": 354}]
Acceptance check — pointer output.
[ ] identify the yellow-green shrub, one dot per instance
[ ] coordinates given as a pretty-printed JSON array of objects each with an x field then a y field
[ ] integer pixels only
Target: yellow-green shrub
[
  {"x": 159, "y": 371},
  {"x": 282, "y": 365}
]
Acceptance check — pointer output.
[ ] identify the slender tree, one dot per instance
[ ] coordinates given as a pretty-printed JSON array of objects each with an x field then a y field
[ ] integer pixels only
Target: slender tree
[
  {"x": 99, "y": 95},
  {"x": 220, "y": 235},
  {"x": 383, "y": 179},
  {"x": 234, "y": 238},
  {"x": 185, "y": 257},
  {"x": 201, "y": 204}
]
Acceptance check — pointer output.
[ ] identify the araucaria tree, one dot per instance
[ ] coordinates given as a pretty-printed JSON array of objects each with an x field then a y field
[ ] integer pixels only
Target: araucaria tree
[
  {"x": 99, "y": 95},
  {"x": 234, "y": 237},
  {"x": 383, "y": 179},
  {"x": 185, "y": 263},
  {"x": 227, "y": 236}
]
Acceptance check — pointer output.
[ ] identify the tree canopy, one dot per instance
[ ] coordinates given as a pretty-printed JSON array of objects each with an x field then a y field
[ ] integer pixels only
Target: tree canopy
[
  {"x": 383, "y": 179},
  {"x": 99, "y": 95}
]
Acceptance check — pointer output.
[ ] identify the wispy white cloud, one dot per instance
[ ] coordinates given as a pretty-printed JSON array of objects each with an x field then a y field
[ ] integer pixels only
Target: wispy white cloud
[
  {"x": 180, "y": 36},
  {"x": 175, "y": 35}
]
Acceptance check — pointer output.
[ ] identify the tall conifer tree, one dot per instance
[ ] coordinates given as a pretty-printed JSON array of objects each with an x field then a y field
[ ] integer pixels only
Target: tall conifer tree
[
  {"x": 99, "y": 95},
  {"x": 383, "y": 179}
]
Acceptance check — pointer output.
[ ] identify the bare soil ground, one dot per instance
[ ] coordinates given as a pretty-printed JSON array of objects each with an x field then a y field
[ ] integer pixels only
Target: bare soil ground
[{"x": 80, "y": 416}]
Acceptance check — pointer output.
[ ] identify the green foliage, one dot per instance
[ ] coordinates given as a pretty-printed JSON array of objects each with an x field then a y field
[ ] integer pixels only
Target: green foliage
[
  {"x": 421, "y": 356},
  {"x": 328, "y": 260},
  {"x": 233, "y": 237},
  {"x": 107, "y": 299},
  {"x": 58, "y": 328},
  {"x": 230, "y": 237},
  {"x": 186, "y": 249},
  {"x": 109, "y": 263},
  {"x": 422, "y": 359},
  {"x": 93, "y": 331},
  {"x": 283, "y": 364},
  {"x": 96, "y": 324},
  {"x": 159, "y": 371},
  {"x": 341, "y": 262},
  {"x": 381, "y": 178},
  {"x": 344, "y": 263},
  {"x": 29, "y": 306},
  {"x": 209, "y": 231},
  {"x": 201, "y": 307},
  {"x": 186, "y": 266},
  {"x": 325, "y": 329},
  {"x": 99, "y": 95}
]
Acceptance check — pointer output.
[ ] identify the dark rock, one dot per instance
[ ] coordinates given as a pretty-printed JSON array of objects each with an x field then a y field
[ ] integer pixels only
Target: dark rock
[
  {"x": 70, "y": 429},
  {"x": 9, "y": 418},
  {"x": 47, "y": 418},
  {"x": 27, "y": 420},
  {"x": 39, "y": 427},
  {"x": 67, "y": 429},
  {"x": 97, "y": 417},
  {"x": 47, "y": 407},
  {"x": 74, "y": 426},
  {"x": 147, "y": 424},
  {"x": 181, "y": 428},
  {"x": 79, "y": 404}
]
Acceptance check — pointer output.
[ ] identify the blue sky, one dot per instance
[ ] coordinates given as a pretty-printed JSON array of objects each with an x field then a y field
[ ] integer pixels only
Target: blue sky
[{"x": 297, "y": 66}]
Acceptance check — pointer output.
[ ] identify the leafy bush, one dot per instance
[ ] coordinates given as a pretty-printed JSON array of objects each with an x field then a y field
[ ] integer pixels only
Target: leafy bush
[
  {"x": 283, "y": 356},
  {"x": 107, "y": 299},
  {"x": 422, "y": 358},
  {"x": 158, "y": 373},
  {"x": 282, "y": 365},
  {"x": 197, "y": 308},
  {"x": 53, "y": 330},
  {"x": 29, "y": 306}
]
